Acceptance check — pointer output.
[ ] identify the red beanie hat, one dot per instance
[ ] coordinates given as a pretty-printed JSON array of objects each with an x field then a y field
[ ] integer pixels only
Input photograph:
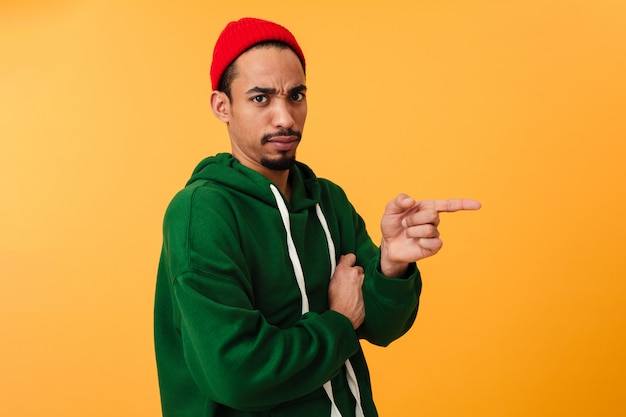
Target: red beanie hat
[{"x": 239, "y": 36}]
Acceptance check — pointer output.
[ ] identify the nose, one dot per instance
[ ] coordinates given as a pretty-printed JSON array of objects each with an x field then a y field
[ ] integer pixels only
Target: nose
[{"x": 283, "y": 117}]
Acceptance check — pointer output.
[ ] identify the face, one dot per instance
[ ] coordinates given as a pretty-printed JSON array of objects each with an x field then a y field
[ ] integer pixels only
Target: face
[{"x": 267, "y": 110}]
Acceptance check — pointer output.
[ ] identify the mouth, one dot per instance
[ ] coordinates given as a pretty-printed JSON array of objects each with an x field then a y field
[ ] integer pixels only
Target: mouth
[{"x": 282, "y": 141}]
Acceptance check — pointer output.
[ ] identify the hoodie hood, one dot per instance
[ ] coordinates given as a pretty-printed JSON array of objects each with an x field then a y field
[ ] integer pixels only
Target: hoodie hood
[{"x": 227, "y": 171}]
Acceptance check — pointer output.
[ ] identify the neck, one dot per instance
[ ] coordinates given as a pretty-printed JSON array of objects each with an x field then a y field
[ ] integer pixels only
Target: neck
[{"x": 281, "y": 179}]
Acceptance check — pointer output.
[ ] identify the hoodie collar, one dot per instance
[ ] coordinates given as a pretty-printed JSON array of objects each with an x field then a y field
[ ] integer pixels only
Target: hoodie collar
[{"x": 224, "y": 169}]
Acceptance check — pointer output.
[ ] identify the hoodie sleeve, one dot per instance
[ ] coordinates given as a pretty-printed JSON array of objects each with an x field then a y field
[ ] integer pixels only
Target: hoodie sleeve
[
  {"x": 234, "y": 355},
  {"x": 391, "y": 304}
]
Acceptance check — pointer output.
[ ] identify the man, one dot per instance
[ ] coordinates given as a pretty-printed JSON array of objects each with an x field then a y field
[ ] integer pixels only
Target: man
[{"x": 268, "y": 278}]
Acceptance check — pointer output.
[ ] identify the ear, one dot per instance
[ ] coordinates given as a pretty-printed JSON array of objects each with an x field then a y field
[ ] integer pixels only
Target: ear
[{"x": 220, "y": 104}]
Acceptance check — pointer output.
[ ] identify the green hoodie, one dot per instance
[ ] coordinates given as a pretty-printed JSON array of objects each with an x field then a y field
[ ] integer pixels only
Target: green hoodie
[{"x": 230, "y": 336}]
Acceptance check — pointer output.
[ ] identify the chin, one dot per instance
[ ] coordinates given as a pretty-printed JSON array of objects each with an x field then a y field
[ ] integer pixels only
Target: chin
[{"x": 282, "y": 163}]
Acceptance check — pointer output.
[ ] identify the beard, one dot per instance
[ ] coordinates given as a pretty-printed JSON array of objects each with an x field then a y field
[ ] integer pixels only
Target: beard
[{"x": 284, "y": 161}]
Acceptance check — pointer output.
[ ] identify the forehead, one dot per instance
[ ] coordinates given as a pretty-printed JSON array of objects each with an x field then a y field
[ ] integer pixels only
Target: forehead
[{"x": 268, "y": 66}]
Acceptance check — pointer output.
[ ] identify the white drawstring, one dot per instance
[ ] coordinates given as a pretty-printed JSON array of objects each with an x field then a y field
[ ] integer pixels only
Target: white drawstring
[
  {"x": 329, "y": 239},
  {"x": 297, "y": 268},
  {"x": 293, "y": 254}
]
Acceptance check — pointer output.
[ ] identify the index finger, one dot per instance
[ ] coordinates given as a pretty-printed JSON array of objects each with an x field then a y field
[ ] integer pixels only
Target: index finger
[{"x": 451, "y": 205}]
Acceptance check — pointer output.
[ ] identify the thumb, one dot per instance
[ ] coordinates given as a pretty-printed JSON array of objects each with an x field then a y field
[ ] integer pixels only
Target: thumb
[
  {"x": 401, "y": 203},
  {"x": 349, "y": 259}
]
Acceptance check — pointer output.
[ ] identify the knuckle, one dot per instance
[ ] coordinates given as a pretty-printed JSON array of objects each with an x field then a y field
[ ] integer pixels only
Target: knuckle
[{"x": 433, "y": 216}]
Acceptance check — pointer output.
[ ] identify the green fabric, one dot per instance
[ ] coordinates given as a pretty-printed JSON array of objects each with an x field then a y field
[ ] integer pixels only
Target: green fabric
[{"x": 229, "y": 334}]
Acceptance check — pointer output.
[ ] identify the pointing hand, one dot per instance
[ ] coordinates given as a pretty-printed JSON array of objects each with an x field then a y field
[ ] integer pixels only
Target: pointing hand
[{"x": 409, "y": 230}]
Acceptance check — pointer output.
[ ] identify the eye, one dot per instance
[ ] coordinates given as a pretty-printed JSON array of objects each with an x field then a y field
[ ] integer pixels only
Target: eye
[
  {"x": 259, "y": 99},
  {"x": 297, "y": 96}
]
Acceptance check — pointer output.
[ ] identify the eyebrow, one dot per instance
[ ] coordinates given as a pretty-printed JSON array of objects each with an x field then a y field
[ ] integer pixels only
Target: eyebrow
[{"x": 264, "y": 90}]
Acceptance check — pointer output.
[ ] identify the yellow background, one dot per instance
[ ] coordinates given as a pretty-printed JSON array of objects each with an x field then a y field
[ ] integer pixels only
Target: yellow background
[{"x": 520, "y": 104}]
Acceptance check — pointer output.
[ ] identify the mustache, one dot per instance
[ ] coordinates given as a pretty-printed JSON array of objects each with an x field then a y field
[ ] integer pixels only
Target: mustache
[{"x": 288, "y": 132}]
